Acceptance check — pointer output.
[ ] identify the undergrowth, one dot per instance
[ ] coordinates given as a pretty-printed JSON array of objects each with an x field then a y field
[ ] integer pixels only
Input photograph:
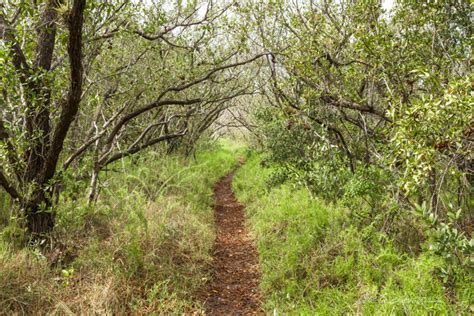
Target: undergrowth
[
  {"x": 141, "y": 248},
  {"x": 316, "y": 259}
]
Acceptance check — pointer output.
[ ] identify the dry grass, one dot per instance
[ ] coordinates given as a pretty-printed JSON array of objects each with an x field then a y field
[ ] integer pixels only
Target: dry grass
[{"x": 137, "y": 251}]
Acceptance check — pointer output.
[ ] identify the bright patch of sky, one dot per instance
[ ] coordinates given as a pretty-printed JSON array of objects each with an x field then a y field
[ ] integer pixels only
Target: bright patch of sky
[{"x": 387, "y": 5}]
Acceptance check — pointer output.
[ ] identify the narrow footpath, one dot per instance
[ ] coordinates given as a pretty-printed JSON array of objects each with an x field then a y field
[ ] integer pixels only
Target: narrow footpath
[{"x": 234, "y": 287}]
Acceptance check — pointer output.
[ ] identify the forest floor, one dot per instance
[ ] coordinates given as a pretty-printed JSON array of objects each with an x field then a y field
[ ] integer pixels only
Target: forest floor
[{"x": 234, "y": 287}]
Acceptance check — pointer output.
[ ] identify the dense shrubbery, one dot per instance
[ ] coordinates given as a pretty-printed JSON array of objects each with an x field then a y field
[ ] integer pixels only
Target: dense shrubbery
[
  {"x": 418, "y": 218},
  {"x": 370, "y": 109},
  {"x": 328, "y": 258},
  {"x": 141, "y": 248}
]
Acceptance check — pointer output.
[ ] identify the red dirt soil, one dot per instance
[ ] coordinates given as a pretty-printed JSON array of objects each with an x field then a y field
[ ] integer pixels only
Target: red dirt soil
[{"x": 234, "y": 287}]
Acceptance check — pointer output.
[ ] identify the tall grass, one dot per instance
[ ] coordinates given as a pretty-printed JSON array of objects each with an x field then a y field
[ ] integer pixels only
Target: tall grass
[
  {"x": 141, "y": 248},
  {"x": 315, "y": 260}
]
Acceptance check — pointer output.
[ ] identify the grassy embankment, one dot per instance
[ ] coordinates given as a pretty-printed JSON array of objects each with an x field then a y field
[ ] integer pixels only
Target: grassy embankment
[
  {"x": 314, "y": 259},
  {"x": 142, "y": 248}
]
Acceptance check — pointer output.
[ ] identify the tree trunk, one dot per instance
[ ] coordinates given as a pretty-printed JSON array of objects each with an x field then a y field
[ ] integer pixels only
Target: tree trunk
[
  {"x": 43, "y": 155},
  {"x": 433, "y": 190},
  {"x": 38, "y": 214},
  {"x": 94, "y": 183},
  {"x": 39, "y": 223}
]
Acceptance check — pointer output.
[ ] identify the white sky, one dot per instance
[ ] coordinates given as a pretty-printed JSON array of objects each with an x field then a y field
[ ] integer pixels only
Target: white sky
[{"x": 388, "y": 4}]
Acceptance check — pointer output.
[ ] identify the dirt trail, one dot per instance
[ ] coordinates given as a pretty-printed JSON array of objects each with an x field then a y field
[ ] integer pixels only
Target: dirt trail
[{"x": 234, "y": 288}]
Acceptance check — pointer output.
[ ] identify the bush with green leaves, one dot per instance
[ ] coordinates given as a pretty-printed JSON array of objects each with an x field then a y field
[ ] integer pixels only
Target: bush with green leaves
[{"x": 317, "y": 259}]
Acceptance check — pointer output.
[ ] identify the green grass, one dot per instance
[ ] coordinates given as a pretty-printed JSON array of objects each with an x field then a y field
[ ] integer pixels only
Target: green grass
[
  {"x": 314, "y": 260},
  {"x": 142, "y": 248}
]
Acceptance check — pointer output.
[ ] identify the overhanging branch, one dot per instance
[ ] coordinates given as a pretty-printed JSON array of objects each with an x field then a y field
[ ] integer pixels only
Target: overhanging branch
[
  {"x": 136, "y": 149},
  {"x": 8, "y": 187}
]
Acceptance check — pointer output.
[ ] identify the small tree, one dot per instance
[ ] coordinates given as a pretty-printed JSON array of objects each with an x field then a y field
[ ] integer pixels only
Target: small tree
[{"x": 34, "y": 164}]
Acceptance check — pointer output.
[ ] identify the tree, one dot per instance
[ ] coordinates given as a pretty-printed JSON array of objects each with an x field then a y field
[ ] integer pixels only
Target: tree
[
  {"x": 138, "y": 75},
  {"x": 355, "y": 75},
  {"x": 44, "y": 135}
]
